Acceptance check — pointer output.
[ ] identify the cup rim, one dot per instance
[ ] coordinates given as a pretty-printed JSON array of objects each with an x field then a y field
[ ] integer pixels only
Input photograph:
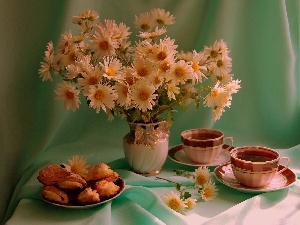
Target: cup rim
[
  {"x": 256, "y": 147},
  {"x": 202, "y": 129}
]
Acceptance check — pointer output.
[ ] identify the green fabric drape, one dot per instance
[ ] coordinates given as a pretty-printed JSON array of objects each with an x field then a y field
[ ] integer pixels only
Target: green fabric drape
[{"x": 263, "y": 38}]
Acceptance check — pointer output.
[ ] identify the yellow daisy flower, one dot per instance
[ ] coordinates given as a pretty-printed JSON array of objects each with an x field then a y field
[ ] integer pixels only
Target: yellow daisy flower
[
  {"x": 69, "y": 94},
  {"x": 190, "y": 203},
  {"x": 201, "y": 175},
  {"x": 173, "y": 201},
  {"x": 209, "y": 191},
  {"x": 77, "y": 165},
  {"x": 142, "y": 95}
]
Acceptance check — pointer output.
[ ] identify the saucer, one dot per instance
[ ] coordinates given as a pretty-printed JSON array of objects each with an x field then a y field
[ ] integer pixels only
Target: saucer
[
  {"x": 280, "y": 181},
  {"x": 178, "y": 155}
]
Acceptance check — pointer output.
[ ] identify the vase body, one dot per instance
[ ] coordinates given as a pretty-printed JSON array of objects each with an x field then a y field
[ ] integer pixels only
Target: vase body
[{"x": 146, "y": 147}]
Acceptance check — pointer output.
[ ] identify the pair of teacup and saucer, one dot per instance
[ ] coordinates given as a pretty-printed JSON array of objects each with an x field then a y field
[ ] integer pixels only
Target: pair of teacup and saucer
[{"x": 252, "y": 169}]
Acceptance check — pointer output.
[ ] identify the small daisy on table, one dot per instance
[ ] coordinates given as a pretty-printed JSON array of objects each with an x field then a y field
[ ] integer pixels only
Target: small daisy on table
[{"x": 203, "y": 184}]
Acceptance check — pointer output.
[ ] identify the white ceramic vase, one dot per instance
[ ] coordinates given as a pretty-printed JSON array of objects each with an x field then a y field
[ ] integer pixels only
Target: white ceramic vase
[{"x": 146, "y": 147}]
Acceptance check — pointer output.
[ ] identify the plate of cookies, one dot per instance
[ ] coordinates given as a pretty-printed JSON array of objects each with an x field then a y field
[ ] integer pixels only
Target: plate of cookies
[{"x": 79, "y": 186}]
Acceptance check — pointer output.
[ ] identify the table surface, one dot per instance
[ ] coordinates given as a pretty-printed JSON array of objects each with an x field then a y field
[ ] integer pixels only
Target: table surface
[{"x": 140, "y": 202}]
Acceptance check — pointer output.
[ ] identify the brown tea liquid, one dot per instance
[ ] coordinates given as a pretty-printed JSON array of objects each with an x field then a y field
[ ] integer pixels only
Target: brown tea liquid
[{"x": 255, "y": 158}]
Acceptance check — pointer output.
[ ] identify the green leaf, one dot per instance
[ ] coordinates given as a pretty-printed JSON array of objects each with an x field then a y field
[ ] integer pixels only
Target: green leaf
[
  {"x": 177, "y": 186},
  {"x": 187, "y": 195}
]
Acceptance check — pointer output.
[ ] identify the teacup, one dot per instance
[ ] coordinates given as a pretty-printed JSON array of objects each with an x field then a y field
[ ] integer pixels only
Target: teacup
[
  {"x": 204, "y": 145},
  {"x": 255, "y": 166}
]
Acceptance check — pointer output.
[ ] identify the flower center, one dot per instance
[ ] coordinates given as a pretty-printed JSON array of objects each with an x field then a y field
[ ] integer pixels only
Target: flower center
[
  {"x": 142, "y": 72},
  {"x": 99, "y": 95},
  {"x": 219, "y": 63},
  {"x": 161, "y": 55},
  {"x": 160, "y": 21},
  {"x": 143, "y": 95},
  {"x": 111, "y": 72},
  {"x": 72, "y": 56},
  {"x": 195, "y": 66},
  {"x": 213, "y": 53},
  {"x": 179, "y": 72},
  {"x": 201, "y": 179},
  {"x": 214, "y": 93},
  {"x": 145, "y": 26},
  {"x": 103, "y": 45},
  {"x": 69, "y": 94},
  {"x": 93, "y": 80},
  {"x": 207, "y": 192},
  {"x": 129, "y": 80},
  {"x": 174, "y": 204}
]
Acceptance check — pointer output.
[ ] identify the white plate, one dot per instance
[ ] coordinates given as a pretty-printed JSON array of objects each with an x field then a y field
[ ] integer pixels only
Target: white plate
[
  {"x": 178, "y": 155},
  {"x": 120, "y": 183},
  {"x": 280, "y": 181}
]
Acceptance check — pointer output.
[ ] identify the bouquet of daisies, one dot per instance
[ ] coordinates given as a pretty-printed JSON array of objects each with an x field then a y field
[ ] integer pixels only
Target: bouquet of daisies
[{"x": 143, "y": 82}]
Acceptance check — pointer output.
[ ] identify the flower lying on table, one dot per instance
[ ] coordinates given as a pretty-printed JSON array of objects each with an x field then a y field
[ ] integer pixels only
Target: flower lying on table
[
  {"x": 204, "y": 186},
  {"x": 78, "y": 165},
  {"x": 139, "y": 82}
]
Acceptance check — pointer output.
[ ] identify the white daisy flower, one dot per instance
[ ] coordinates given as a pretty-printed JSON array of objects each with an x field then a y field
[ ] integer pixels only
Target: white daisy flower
[
  {"x": 49, "y": 53},
  {"x": 233, "y": 86},
  {"x": 77, "y": 165},
  {"x": 73, "y": 71},
  {"x": 162, "y": 51},
  {"x": 197, "y": 60},
  {"x": 65, "y": 42},
  {"x": 174, "y": 202},
  {"x": 117, "y": 32},
  {"x": 217, "y": 112},
  {"x": 201, "y": 176},
  {"x": 92, "y": 76},
  {"x": 144, "y": 21},
  {"x": 44, "y": 71},
  {"x": 222, "y": 66},
  {"x": 69, "y": 94},
  {"x": 122, "y": 32},
  {"x": 157, "y": 80},
  {"x": 112, "y": 68},
  {"x": 209, "y": 191},
  {"x": 86, "y": 15},
  {"x": 165, "y": 66},
  {"x": 162, "y": 17},
  {"x": 82, "y": 65},
  {"x": 123, "y": 94},
  {"x": 102, "y": 97},
  {"x": 218, "y": 96},
  {"x": 190, "y": 203},
  {"x": 142, "y": 49},
  {"x": 69, "y": 57},
  {"x": 180, "y": 72},
  {"x": 142, "y": 95},
  {"x": 224, "y": 79},
  {"x": 143, "y": 68},
  {"x": 221, "y": 46},
  {"x": 103, "y": 43},
  {"x": 172, "y": 90},
  {"x": 154, "y": 34}
]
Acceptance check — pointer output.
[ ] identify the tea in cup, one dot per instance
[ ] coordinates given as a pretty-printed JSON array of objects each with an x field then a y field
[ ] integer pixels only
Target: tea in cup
[
  {"x": 204, "y": 145},
  {"x": 255, "y": 166}
]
